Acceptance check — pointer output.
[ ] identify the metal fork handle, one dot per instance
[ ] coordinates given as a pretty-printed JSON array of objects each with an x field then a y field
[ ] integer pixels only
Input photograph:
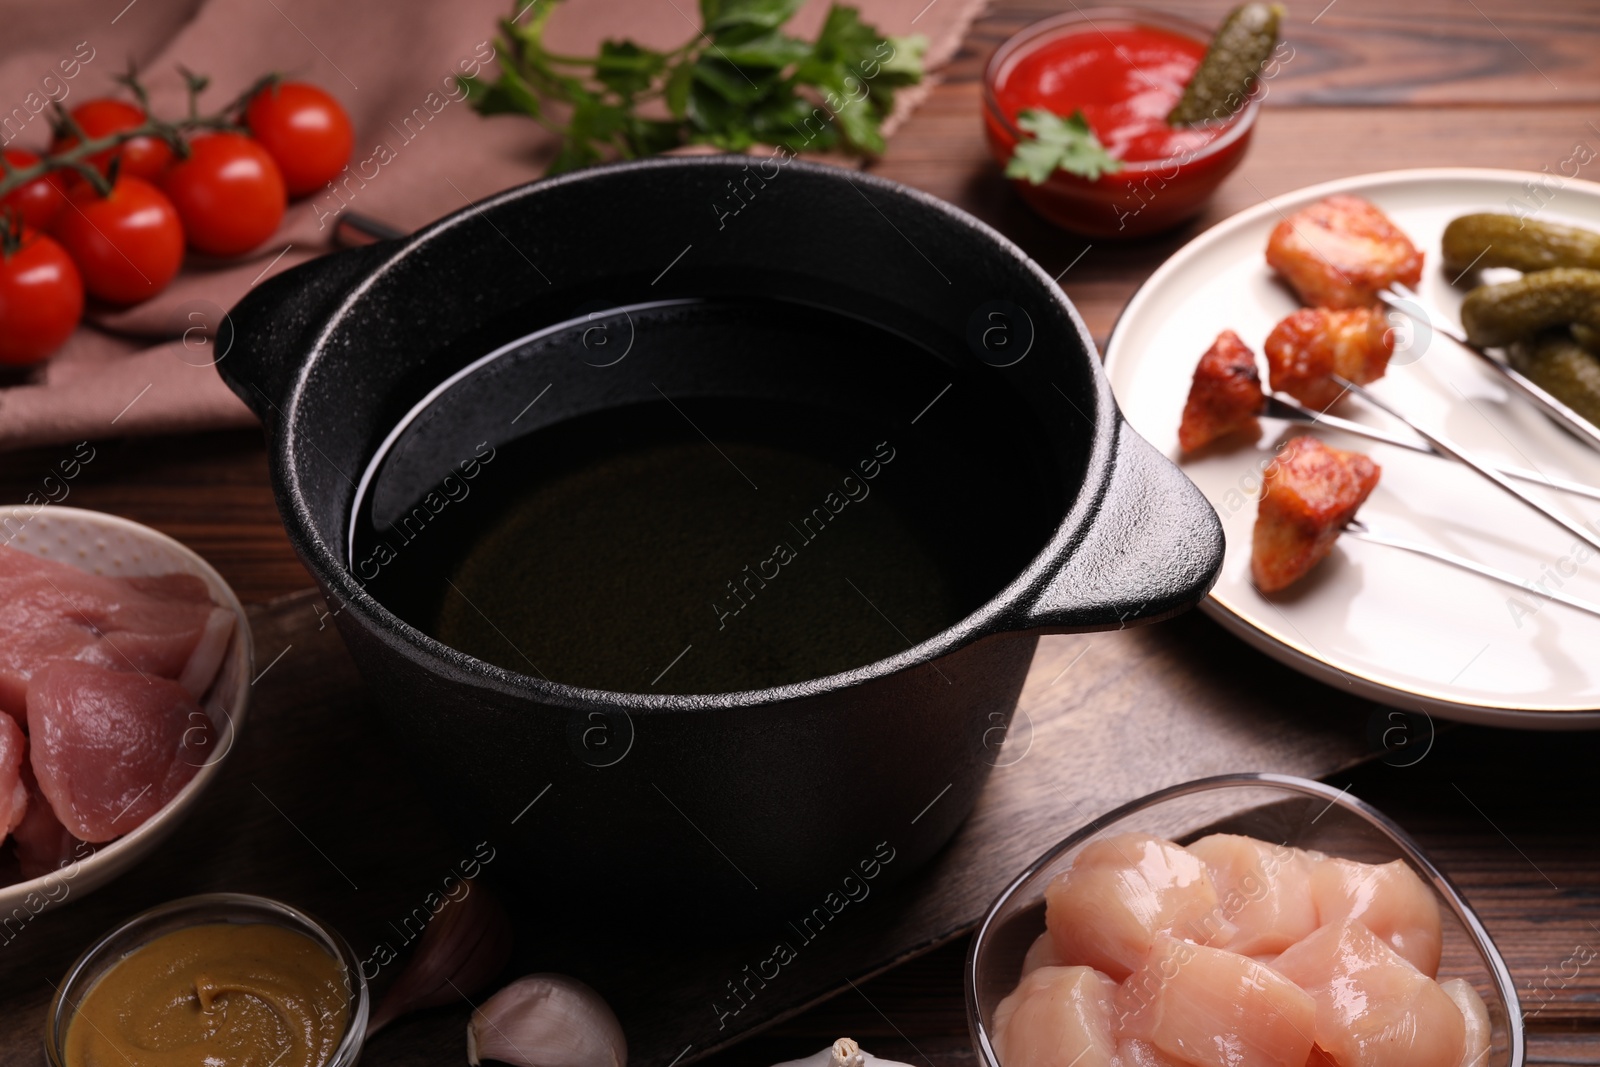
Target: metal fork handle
[
  {"x": 1445, "y": 447},
  {"x": 1359, "y": 530},
  {"x": 1279, "y": 407},
  {"x": 1398, "y": 295}
]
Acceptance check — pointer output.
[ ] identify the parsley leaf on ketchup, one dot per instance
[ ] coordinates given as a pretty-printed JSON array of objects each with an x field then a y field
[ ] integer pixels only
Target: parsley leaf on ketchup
[{"x": 1058, "y": 144}]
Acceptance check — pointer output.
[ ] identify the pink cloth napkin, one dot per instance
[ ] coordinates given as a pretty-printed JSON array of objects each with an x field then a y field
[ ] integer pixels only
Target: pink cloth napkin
[{"x": 150, "y": 369}]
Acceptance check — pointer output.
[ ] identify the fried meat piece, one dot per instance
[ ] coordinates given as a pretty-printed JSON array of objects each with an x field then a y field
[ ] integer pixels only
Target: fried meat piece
[
  {"x": 1306, "y": 349},
  {"x": 1341, "y": 251},
  {"x": 1225, "y": 397},
  {"x": 1308, "y": 494}
]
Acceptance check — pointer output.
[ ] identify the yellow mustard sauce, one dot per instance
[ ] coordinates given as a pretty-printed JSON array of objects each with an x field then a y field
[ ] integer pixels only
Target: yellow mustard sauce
[{"x": 215, "y": 995}]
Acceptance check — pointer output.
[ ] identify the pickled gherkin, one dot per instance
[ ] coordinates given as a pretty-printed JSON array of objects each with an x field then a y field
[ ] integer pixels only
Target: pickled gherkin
[
  {"x": 1564, "y": 368},
  {"x": 1494, "y": 315},
  {"x": 1227, "y": 75},
  {"x": 1498, "y": 240}
]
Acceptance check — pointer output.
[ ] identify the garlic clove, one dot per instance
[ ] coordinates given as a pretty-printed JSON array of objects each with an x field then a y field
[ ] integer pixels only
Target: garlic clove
[
  {"x": 460, "y": 952},
  {"x": 547, "y": 1020},
  {"x": 844, "y": 1052}
]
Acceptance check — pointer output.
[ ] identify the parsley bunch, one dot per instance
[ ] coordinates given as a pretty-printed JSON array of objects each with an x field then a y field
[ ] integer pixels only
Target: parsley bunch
[{"x": 741, "y": 82}]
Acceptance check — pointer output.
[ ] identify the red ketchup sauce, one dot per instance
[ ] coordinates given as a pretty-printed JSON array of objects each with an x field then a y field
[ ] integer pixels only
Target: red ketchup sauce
[{"x": 1125, "y": 77}]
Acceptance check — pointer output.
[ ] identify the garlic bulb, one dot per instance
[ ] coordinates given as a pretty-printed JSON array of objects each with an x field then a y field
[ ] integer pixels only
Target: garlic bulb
[
  {"x": 844, "y": 1052},
  {"x": 547, "y": 1020}
]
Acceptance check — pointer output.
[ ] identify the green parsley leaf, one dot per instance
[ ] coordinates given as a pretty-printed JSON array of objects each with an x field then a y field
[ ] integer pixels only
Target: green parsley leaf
[
  {"x": 771, "y": 50},
  {"x": 508, "y": 96},
  {"x": 752, "y": 17},
  {"x": 739, "y": 82},
  {"x": 1058, "y": 144},
  {"x": 625, "y": 68}
]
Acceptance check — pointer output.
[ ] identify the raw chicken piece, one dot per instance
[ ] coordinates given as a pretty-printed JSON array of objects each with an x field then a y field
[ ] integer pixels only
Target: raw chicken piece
[
  {"x": 13, "y": 791},
  {"x": 1042, "y": 953},
  {"x": 42, "y": 843},
  {"x": 1055, "y": 1017},
  {"x": 1339, "y": 252},
  {"x": 1390, "y": 900},
  {"x": 111, "y": 748},
  {"x": 1308, "y": 348},
  {"x": 1476, "y": 1015},
  {"x": 1307, "y": 495},
  {"x": 1136, "y": 1053},
  {"x": 1123, "y": 891},
  {"x": 1225, "y": 396},
  {"x": 1374, "y": 1009},
  {"x": 1265, "y": 891},
  {"x": 1319, "y": 1058},
  {"x": 1212, "y": 1008}
]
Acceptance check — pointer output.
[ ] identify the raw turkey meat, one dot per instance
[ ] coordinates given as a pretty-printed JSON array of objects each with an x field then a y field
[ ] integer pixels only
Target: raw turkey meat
[
  {"x": 110, "y": 748},
  {"x": 13, "y": 791},
  {"x": 163, "y": 625},
  {"x": 42, "y": 843},
  {"x": 32, "y": 634}
]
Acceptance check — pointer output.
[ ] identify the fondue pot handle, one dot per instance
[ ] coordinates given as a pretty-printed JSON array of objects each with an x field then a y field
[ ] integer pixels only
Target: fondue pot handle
[
  {"x": 273, "y": 324},
  {"x": 1152, "y": 550}
]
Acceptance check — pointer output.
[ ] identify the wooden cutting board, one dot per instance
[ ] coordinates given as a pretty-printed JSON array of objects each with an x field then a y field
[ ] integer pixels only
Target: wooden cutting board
[{"x": 315, "y": 809}]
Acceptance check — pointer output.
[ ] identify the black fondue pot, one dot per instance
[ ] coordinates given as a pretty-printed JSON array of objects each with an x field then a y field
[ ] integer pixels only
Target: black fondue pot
[{"x": 822, "y": 296}]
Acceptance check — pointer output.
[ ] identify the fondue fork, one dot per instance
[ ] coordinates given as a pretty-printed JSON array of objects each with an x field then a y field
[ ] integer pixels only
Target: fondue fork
[
  {"x": 1362, "y": 532},
  {"x": 1403, "y": 299},
  {"x": 1447, "y": 448},
  {"x": 1290, "y": 410}
]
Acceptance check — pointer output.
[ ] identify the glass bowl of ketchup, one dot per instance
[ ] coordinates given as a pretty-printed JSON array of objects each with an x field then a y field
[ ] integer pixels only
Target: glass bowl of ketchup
[{"x": 1125, "y": 69}]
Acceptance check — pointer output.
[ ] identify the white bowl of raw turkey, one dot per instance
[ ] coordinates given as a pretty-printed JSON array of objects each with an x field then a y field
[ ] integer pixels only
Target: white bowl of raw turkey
[{"x": 105, "y": 544}]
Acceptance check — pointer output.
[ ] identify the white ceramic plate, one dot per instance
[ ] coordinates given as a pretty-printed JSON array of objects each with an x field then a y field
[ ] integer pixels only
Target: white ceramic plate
[
  {"x": 1389, "y": 625},
  {"x": 105, "y": 544}
]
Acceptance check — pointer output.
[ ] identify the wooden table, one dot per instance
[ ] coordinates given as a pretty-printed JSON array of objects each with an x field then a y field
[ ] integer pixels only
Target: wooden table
[{"x": 1372, "y": 85}]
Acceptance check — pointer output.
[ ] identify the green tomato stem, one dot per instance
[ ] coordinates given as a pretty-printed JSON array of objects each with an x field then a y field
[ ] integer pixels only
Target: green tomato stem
[{"x": 75, "y": 158}]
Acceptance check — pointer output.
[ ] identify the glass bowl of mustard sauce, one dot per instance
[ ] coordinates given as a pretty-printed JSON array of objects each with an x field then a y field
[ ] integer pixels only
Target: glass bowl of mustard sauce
[{"x": 220, "y": 980}]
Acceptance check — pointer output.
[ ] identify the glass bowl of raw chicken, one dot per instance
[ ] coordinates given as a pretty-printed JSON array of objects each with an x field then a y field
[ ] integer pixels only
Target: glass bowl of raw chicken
[
  {"x": 125, "y": 665},
  {"x": 1248, "y": 920}
]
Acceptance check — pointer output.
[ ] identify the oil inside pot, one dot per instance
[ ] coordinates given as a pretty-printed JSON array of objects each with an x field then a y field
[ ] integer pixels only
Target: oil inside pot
[{"x": 774, "y": 517}]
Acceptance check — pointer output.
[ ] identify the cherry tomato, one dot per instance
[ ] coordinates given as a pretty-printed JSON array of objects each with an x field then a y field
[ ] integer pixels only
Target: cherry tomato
[
  {"x": 229, "y": 194},
  {"x": 41, "y": 297},
  {"x": 127, "y": 245},
  {"x": 38, "y": 202},
  {"x": 142, "y": 157},
  {"x": 305, "y": 130}
]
